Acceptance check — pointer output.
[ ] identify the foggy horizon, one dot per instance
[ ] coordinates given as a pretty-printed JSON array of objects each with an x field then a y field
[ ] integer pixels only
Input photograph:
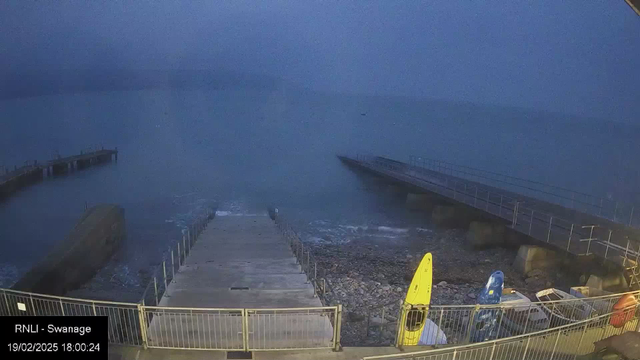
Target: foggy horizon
[{"x": 548, "y": 56}]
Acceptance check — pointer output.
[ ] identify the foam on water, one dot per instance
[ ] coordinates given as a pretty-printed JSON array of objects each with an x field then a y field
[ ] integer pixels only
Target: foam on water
[
  {"x": 379, "y": 235},
  {"x": 229, "y": 213},
  {"x": 354, "y": 228},
  {"x": 393, "y": 230}
]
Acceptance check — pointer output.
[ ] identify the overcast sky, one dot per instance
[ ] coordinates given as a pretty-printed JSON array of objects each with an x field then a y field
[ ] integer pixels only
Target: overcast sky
[{"x": 571, "y": 56}]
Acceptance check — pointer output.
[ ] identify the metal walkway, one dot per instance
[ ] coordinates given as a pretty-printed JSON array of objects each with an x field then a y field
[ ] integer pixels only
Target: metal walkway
[{"x": 572, "y": 229}]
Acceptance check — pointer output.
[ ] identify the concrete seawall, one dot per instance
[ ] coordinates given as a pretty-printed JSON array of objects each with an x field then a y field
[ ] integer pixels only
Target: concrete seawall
[{"x": 72, "y": 262}]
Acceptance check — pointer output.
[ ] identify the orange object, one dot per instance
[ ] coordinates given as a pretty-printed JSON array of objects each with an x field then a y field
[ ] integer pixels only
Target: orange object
[{"x": 623, "y": 310}]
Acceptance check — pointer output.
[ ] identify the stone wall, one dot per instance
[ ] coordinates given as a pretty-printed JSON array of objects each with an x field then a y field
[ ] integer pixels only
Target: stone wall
[{"x": 74, "y": 261}]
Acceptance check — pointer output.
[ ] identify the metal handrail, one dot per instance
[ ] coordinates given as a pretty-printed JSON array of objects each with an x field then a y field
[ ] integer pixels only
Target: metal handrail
[
  {"x": 414, "y": 158},
  {"x": 450, "y": 318},
  {"x": 26, "y": 293},
  {"x": 512, "y": 207},
  {"x": 183, "y": 247},
  {"x": 150, "y": 326},
  {"x": 317, "y": 275},
  {"x": 190, "y": 308},
  {"x": 550, "y": 302},
  {"x": 437, "y": 352},
  {"x": 598, "y": 207}
]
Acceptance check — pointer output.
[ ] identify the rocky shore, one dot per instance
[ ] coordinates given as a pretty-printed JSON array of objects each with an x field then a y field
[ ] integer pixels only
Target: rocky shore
[{"x": 368, "y": 273}]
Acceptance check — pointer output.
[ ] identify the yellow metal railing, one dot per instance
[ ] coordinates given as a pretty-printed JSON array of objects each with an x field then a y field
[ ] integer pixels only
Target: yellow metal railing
[
  {"x": 192, "y": 328},
  {"x": 563, "y": 342},
  {"x": 124, "y": 320},
  {"x": 455, "y": 324}
]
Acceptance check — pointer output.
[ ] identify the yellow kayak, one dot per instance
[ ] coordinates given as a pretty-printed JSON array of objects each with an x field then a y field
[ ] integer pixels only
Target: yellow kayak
[{"x": 418, "y": 295}]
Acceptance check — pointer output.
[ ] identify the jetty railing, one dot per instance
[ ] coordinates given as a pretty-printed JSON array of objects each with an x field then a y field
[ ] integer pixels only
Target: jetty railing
[
  {"x": 605, "y": 207},
  {"x": 316, "y": 274},
  {"x": 173, "y": 258},
  {"x": 526, "y": 218}
]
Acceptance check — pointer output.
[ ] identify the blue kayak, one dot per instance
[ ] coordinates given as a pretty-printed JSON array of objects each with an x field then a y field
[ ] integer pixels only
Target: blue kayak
[{"x": 484, "y": 322}]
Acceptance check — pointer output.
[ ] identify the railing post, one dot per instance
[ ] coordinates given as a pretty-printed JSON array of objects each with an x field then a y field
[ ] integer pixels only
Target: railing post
[
  {"x": 471, "y": 321},
  {"x": 526, "y": 348},
  {"x": 6, "y": 301},
  {"x": 526, "y": 322},
  {"x": 515, "y": 214},
  {"x": 402, "y": 318},
  {"x": 324, "y": 287},
  {"x": 179, "y": 255},
  {"x": 245, "y": 330},
  {"x": 155, "y": 288},
  {"x": 487, "y": 202},
  {"x": 439, "y": 327},
  {"x": 584, "y": 330},
  {"x": 93, "y": 305},
  {"x": 555, "y": 345},
  {"x": 164, "y": 274},
  {"x": 549, "y": 232},
  {"x": 590, "y": 238},
  {"x": 606, "y": 251},
  {"x": 500, "y": 323},
  {"x": 173, "y": 267},
  {"x": 570, "y": 234},
  {"x": 531, "y": 222},
  {"x": 143, "y": 326},
  {"x": 552, "y": 314},
  {"x": 336, "y": 329},
  {"x": 33, "y": 308},
  {"x": 626, "y": 253},
  {"x": 493, "y": 350},
  {"x": 62, "y": 307},
  {"x": 184, "y": 248}
]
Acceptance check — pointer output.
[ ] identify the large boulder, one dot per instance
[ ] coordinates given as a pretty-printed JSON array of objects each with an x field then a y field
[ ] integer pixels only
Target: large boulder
[
  {"x": 444, "y": 215},
  {"x": 420, "y": 202},
  {"x": 613, "y": 282},
  {"x": 72, "y": 262},
  {"x": 532, "y": 257},
  {"x": 485, "y": 234}
]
